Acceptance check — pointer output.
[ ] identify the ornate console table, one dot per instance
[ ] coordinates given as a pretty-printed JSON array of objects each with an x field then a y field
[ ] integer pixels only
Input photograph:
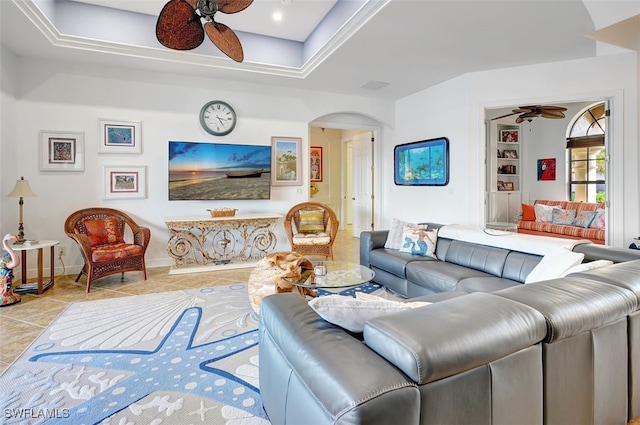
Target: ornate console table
[{"x": 210, "y": 243}]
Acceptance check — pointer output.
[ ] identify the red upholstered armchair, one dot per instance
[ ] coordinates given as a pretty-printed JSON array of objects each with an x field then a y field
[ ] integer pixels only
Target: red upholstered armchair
[{"x": 100, "y": 233}]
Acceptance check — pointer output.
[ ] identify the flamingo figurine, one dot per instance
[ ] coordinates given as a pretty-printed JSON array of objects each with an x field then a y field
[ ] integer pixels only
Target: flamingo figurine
[{"x": 8, "y": 262}]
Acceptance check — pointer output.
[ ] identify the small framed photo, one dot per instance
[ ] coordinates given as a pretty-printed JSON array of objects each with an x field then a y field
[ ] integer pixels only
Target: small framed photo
[
  {"x": 500, "y": 185},
  {"x": 508, "y": 186},
  {"x": 120, "y": 137},
  {"x": 285, "y": 161},
  {"x": 124, "y": 182},
  {"x": 509, "y": 136},
  {"x": 510, "y": 154},
  {"x": 61, "y": 151},
  {"x": 315, "y": 166}
]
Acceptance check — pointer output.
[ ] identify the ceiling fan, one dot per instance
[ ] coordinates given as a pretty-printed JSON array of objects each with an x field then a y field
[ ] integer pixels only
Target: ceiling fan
[
  {"x": 183, "y": 23},
  {"x": 528, "y": 113}
]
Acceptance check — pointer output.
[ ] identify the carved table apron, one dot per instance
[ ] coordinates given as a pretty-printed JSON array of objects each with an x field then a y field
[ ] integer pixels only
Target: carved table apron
[{"x": 210, "y": 243}]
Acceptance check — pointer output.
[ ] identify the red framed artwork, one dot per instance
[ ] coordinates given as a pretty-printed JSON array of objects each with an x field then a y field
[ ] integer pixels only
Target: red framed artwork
[{"x": 315, "y": 165}]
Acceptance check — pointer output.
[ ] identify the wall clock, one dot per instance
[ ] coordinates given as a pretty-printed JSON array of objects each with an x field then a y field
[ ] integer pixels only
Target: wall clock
[{"x": 218, "y": 118}]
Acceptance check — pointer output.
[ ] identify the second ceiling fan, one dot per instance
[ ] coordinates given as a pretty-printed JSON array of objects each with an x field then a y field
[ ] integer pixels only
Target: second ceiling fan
[{"x": 528, "y": 113}]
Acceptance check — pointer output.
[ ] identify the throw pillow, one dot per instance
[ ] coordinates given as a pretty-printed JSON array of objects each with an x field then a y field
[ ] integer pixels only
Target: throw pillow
[
  {"x": 394, "y": 238},
  {"x": 560, "y": 216},
  {"x": 101, "y": 232},
  {"x": 553, "y": 265},
  {"x": 419, "y": 241},
  {"x": 311, "y": 221},
  {"x": 528, "y": 212},
  {"x": 544, "y": 213},
  {"x": 352, "y": 313},
  {"x": 588, "y": 266},
  {"x": 598, "y": 221},
  {"x": 584, "y": 218}
]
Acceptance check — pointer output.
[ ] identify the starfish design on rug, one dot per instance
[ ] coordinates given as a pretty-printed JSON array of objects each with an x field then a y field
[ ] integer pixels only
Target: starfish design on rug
[{"x": 175, "y": 365}]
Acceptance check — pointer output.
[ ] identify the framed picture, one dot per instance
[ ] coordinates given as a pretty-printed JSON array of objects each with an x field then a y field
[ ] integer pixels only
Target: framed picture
[
  {"x": 285, "y": 161},
  {"x": 509, "y": 136},
  {"x": 508, "y": 185},
  {"x": 500, "y": 185},
  {"x": 61, "y": 151},
  {"x": 120, "y": 137},
  {"x": 315, "y": 166},
  {"x": 546, "y": 169},
  {"x": 510, "y": 154},
  {"x": 423, "y": 163},
  {"x": 124, "y": 182}
]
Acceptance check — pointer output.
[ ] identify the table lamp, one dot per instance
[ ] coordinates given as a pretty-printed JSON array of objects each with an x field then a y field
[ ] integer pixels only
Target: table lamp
[{"x": 21, "y": 190}]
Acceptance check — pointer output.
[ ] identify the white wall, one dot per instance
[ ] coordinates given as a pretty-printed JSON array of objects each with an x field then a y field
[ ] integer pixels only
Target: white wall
[
  {"x": 455, "y": 109},
  {"x": 43, "y": 95}
]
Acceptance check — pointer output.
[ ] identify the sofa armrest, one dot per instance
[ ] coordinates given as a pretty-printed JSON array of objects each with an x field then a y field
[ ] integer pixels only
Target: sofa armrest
[
  {"x": 465, "y": 332},
  {"x": 310, "y": 368},
  {"x": 370, "y": 240},
  {"x": 594, "y": 252}
]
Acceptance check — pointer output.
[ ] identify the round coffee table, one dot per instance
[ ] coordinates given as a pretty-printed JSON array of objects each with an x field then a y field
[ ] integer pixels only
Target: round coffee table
[{"x": 340, "y": 274}]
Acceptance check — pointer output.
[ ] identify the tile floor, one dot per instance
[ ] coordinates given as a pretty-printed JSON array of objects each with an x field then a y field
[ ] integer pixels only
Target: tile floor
[{"x": 21, "y": 323}]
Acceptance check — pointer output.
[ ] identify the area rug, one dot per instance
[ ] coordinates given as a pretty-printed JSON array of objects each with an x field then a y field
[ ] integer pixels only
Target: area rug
[{"x": 184, "y": 357}]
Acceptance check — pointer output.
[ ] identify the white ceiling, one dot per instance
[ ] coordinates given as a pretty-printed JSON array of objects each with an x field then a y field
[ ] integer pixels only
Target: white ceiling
[{"x": 329, "y": 45}]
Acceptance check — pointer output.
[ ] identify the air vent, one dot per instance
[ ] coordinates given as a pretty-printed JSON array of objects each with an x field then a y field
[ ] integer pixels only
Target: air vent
[{"x": 374, "y": 85}]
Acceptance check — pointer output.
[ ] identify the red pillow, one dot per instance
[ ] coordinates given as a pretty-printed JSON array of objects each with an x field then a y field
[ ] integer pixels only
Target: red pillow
[
  {"x": 102, "y": 232},
  {"x": 528, "y": 212}
]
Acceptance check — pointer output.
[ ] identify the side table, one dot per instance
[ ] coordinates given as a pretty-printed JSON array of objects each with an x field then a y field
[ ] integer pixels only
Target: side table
[{"x": 40, "y": 286}]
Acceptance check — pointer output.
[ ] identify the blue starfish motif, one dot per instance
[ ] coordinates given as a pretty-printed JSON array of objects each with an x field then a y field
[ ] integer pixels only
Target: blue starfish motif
[{"x": 174, "y": 365}]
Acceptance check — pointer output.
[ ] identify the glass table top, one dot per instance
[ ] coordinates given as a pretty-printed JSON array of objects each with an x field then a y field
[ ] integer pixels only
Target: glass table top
[{"x": 340, "y": 274}]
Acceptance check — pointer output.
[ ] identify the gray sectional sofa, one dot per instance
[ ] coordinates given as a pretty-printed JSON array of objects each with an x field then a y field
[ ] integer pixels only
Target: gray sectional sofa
[{"x": 489, "y": 350}]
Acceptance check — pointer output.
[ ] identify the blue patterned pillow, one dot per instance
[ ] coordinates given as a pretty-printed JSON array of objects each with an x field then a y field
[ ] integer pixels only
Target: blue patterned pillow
[
  {"x": 560, "y": 216},
  {"x": 584, "y": 218}
]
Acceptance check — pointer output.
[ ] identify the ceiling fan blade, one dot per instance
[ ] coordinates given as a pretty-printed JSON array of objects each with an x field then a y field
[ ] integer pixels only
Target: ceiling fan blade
[
  {"x": 553, "y": 108},
  {"x": 179, "y": 26},
  {"x": 504, "y": 116},
  {"x": 233, "y": 6},
  {"x": 225, "y": 39},
  {"x": 552, "y": 114}
]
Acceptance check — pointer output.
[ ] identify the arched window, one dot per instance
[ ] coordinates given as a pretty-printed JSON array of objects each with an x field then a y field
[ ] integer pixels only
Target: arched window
[{"x": 586, "y": 153}]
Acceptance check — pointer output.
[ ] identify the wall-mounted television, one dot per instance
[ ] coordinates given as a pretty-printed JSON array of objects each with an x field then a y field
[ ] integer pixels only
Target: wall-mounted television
[
  {"x": 423, "y": 163},
  {"x": 217, "y": 171}
]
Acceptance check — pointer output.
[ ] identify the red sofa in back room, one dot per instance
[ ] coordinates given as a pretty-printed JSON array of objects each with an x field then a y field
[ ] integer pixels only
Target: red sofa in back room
[{"x": 564, "y": 219}]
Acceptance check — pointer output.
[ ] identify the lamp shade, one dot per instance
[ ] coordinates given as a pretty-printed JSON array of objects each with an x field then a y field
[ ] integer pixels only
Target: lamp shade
[{"x": 21, "y": 190}]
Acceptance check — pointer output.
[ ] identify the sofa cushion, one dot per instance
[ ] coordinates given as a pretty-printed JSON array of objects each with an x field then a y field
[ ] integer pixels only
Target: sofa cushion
[
  {"x": 479, "y": 328},
  {"x": 311, "y": 221},
  {"x": 485, "y": 258},
  {"x": 544, "y": 213},
  {"x": 518, "y": 265},
  {"x": 419, "y": 241},
  {"x": 393, "y": 261},
  {"x": 599, "y": 220},
  {"x": 485, "y": 284},
  {"x": 439, "y": 276}
]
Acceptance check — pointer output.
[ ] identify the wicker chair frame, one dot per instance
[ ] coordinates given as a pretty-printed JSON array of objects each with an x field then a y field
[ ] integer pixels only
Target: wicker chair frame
[
  {"x": 331, "y": 224},
  {"x": 74, "y": 228}
]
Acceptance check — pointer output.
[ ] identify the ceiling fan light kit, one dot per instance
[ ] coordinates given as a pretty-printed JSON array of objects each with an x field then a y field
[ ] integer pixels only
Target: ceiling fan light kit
[{"x": 182, "y": 24}]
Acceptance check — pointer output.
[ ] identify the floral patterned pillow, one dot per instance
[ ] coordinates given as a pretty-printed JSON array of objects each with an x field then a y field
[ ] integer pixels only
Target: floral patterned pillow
[
  {"x": 101, "y": 232},
  {"x": 560, "y": 216},
  {"x": 584, "y": 218},
  {"x": 598, "y": 221},
  {"x": 544, "y": 213}
]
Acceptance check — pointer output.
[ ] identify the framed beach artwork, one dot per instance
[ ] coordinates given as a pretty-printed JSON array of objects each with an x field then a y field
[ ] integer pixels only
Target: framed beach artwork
[
  {"x": 315, "y": 163},
  {"x": 285, "y": 161},
  {"x": 127, "y": 182},
  {"x": 120, "y": 137},
  {"x": 61, "y": 151},
  {"x": 422, "y": 163},
  {"x": 216, "y": 171}
]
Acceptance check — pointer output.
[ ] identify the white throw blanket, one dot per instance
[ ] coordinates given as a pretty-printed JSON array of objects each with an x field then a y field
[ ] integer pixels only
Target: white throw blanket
[{"x": 531, "y": 244}]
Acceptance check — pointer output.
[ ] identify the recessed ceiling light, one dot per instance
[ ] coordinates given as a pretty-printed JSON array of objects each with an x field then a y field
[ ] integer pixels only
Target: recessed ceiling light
[{"x": 277, "y": 16}]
